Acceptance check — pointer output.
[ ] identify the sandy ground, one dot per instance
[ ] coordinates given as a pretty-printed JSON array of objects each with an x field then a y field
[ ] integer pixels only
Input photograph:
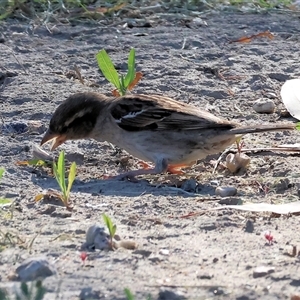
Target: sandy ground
[{"x": 210, "y": 256}]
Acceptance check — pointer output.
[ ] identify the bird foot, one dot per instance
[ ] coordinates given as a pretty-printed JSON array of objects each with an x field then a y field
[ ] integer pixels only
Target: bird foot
[{"x": 176, "y": 169}]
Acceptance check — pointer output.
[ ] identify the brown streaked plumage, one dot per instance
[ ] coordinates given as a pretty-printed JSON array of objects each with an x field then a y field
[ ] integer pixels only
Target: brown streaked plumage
[{"x": 153, "y": 128}]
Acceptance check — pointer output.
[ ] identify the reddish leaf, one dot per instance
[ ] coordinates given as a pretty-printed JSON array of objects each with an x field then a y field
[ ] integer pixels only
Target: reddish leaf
[
  {"x": 138, "y": 77},
  {"x": 248, "y": 39},
  {"x": 116, "y": 93}
]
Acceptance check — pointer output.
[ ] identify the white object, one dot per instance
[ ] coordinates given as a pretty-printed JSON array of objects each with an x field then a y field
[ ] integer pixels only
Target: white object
[{"x": 290, "y": 94}]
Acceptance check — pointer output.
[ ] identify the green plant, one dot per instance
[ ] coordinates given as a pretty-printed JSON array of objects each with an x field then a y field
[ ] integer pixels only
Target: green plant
[
  {"x": 121, "y": 83},
  {"x": 3, "y": 201},
  {"x": 112, "y": 228},
  {"x": 59, "y": 173},
  {"x": 129, "y": 295},
  {"x": 36, "y": 291},
  {"x": 2, "y": 170}
]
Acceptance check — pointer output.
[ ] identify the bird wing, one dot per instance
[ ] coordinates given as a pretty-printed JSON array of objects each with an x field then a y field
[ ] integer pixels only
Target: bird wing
[{"x": 148, "y": 112}]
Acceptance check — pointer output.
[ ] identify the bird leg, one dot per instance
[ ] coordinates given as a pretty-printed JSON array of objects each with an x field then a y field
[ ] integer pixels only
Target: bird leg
[{"x": 161, "y": 166}]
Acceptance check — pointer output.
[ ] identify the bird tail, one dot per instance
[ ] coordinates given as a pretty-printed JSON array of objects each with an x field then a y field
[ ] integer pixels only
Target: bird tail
[{"x": 262, "y": 128}]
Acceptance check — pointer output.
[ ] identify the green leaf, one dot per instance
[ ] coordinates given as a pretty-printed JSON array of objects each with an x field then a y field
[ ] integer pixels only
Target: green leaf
[
  {"x": 2, "y": 170},
  {"x": 24, "y": 289},
  {"x": 114, "y": 229},
  {"x": 4, "y": 201},
  {"x": 61, "y": 171},
  {"x": 298, "y": 126},
  {"x": 108, "y": 69},
  {"x": 3, "y": 295},
  {"x": 122, "y": 84},
  {"x": 131, "y": 69},
  {"x": 109, "y": 224},
  {"x": 129, "y": 295},
  {"x": 71, "y": 178},
  {"x": 40, "y": 291}
]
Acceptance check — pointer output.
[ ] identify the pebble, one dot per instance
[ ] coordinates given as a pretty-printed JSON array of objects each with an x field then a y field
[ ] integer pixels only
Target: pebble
[
  {"x": 165, "y": 252},
  {"x": 226, "y": 191},
  {"x": 96, "y": 238},
  {"x": 237, "y": 161},
  {"x": 263, "y": 271},
  {"x": 205, "y": 276},
  {"x": 189, "y": 185},
  {"x": 264, "y": 106},
  {"x": 249, "y": 227},
  {"x": 35, "y": 268}
]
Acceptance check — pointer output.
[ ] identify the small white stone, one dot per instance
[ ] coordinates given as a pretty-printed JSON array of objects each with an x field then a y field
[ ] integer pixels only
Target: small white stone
[
  {"x": 164, "y": 252},
  {"x": 264, "y": 106},
  {"x": 262, "y": 271},
  {"x": 234, "y": 162},
  {"x": 226, "y": 191}
]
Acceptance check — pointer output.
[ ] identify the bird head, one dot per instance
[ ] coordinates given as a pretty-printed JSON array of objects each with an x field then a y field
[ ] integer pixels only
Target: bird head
[{"x": 74, "y": 119}]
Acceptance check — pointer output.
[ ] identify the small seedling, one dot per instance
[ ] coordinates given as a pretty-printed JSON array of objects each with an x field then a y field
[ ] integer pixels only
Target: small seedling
[
  {"x": 4, "y": 201},
  {"x": 112, "y": 228},
  {"x": 59, "y": 170},
  {"x": 35, "y": 291},
  {"x": 83, "y": 257},
  {"x": 2, "y": 170},
  {"x": 269, "y": 237},
  {"x": 121, "y": 83},
  {"x": 129, "y": 295}
]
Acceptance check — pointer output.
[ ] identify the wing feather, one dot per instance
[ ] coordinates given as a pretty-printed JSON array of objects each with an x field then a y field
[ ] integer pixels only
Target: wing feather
[{"x": 143, "y": 112}]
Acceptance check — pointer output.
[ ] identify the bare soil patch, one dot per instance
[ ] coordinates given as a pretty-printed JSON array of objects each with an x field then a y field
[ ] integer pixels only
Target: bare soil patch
[{"x": 208, "y": 256}]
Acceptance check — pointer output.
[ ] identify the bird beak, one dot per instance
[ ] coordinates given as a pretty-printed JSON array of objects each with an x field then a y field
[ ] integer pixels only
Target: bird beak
[{"x": 55, "y": 138}]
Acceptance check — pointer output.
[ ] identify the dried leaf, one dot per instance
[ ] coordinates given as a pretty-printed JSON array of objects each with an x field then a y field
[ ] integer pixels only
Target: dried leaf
[
  {"x": 138, "y": 77},
  {"x": 32, "y": 162},
  {"x": 110, "y": 9},
  {"x": 116, "y": 93},
  {"x": 248, "y": 39}
]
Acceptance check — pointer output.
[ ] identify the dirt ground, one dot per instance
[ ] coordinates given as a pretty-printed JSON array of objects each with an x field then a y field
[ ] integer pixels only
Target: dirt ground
[{"x": 210, "y": 256}]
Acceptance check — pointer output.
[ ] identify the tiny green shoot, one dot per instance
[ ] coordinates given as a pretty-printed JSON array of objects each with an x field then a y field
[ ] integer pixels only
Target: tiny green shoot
[
  {"x": 129, "y": 295},
  {"x": 298, "y": 126},
  {"x": 112, "y": 228},
  {"x": 2, "y": 170},
  {"x": 4, "y": 201},
  {"x": 59, "y": 170},
  {"x": 121, "y": 83}
]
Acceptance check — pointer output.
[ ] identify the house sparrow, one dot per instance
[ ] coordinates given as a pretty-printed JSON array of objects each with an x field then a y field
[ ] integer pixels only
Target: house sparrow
[{"x": 171, "y": 134}]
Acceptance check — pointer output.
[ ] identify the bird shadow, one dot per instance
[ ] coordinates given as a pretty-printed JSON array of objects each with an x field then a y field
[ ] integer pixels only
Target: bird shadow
[{"x": 112, "y": 187}]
